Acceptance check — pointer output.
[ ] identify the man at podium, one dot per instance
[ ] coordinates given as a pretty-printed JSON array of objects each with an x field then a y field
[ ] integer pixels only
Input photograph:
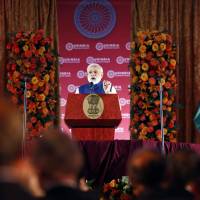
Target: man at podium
[{"x": 95, "y": 85}]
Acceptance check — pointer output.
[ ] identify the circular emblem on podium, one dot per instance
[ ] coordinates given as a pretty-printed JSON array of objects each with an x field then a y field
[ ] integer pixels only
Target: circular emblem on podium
[
  {"x": 93, "y": 106},
  {"x": 95, "y": 19}
]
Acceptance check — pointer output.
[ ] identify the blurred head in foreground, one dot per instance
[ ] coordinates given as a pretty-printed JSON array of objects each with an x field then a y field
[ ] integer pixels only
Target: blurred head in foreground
[
  {"x": 57, "y": 158},
  {"x": 11, "y": 133},
  {"x": 146, "y": 170}
]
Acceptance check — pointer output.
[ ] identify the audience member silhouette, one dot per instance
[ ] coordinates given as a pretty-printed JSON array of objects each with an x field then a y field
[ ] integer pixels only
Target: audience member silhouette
[
  {"x": 59, "y": 161},
  {"x": 12, "y": 167}
]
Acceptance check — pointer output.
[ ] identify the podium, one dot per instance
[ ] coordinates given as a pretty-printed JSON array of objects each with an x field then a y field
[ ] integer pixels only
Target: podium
[{"x": 85, "y": 128}]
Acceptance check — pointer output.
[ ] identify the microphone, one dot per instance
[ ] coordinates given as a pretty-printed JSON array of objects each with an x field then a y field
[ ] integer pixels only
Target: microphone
[{"x": 91, "y": 84}]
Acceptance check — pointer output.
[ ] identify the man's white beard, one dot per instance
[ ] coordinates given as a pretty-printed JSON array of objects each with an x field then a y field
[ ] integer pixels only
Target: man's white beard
[{"x": 94, "y": 80}]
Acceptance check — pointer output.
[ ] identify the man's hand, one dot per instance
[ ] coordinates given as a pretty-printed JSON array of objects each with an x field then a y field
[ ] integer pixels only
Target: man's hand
[{"x": 107, "y": 86}]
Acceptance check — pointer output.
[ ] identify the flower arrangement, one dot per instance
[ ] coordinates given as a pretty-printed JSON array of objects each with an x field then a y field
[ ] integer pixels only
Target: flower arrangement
[
  {"x": 31, "y": 60},
  {"x": 152, "y": 63},
  {"x": 118, "y": 189}
]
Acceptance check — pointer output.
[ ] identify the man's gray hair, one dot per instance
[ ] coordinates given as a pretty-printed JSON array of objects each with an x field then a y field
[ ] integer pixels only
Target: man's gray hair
[{"x": 95, "y": 65}]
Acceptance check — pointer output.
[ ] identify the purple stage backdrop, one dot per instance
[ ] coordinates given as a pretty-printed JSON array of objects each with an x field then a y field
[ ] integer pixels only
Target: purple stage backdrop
[{"x": 93, "y": 31}]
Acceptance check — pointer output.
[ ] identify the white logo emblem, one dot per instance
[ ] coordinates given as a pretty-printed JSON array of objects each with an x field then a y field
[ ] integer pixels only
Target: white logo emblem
[
  {"x": 123, "y": 101},
  {"x": 110, "y": 74},
  {"x": 99, "y": 46},
  {"x": 81, "y": 74},
  {"x": 69, "y": 46},
  {"x": 62, "y": 102},
  {"x": 71, "y": 88},
  {"x": 128, "y": 46}
]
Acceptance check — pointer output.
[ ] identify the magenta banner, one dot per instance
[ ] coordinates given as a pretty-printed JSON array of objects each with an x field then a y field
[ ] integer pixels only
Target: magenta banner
[{"x": 92, "y": 31}]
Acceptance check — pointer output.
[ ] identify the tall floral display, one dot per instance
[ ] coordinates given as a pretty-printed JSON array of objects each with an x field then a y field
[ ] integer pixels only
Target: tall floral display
[
  {"x": 153, "y": 65},
  {"x": 31, "y": 60}
]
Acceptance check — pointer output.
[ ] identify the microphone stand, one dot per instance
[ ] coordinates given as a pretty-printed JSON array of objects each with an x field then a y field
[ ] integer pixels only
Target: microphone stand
[
  {"x": 161, "y": 121},
  {"x": 24, "y": 120}
]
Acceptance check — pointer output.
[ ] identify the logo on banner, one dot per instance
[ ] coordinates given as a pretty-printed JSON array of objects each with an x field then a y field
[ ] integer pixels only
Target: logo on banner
[
  {"x": 71, "y": 88},
  {"x": 112, "y": 74},
  {"x": 121, "y": 60},
  {"x": 118, "y": 87},
  {"x": 119, "y": 130},
  {"x": 69, "y": 46},
  {"x": 100, "y": 46},
  {"x": 128, "y": 46},
  {"x": 68, "y": 60},
  {"x": 123, "y": 101},
  {"x": 62, "y": 116},
  {"x": 81, "y": 74},
  {"x": 125, "y": 115},
  {"x": 65, "y": 74},
  {"x": 93, "y": 106},
  {"x": 63, "y": 102},
  {"x": 95, "y": 19},
  {"x": 90, "y": 60}
]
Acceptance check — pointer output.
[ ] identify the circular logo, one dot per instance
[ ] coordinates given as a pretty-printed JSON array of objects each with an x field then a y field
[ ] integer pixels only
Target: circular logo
[
  {"x": 95, "y": 19},
  {"x": 93, "y": 106},
  {"x": 110, "y": 74},
  {"x": 120, "y": 60},
  {"x": 122, "y": 101},
  {"x": 99, "y": 46},
  {"x": 69, "y": 46},
  {"x": 128, "y": 46},
  {"x": 80, "y": 74},
  {"x": 63, "y": 102},
  {"x": 71, "y": 88},
  {"x": 61, "y": 60},
  {"x": 89, "y": 60}
]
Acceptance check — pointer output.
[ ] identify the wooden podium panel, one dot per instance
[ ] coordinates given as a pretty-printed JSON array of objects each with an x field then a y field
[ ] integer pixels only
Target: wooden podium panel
[{"x": 84, "y": 128}]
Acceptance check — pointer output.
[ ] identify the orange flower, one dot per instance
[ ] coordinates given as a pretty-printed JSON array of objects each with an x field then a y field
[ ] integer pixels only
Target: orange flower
[
  {"x": 145, "y": 66},
  {"x": 144, "y": 76},
  {"x": 150, "y": 129},
  {"x": 172, "y": 63},
  {"x": 137, "y": 68},
  {"x": 142, "y": 48},
  {"x": 33, "y": 120},
  {"x": 155, "y": 47},
  {"x": 41, "y": 83},
  {"x": 158, "y": 135},
  {"x": 25, "y": 47},
  {"x": 134, "y": 79},
  {"x": 165, "y": 100},
  {"x": 45, "y": 111},
  {"x": 28, "y": 94},
  {"x": 152, "y": 81},
  {"x": 113, "y": 183},
  {"x": 162, "y": 81},
  {"x": 34, "y": 80},
  {"x": 143, "y": 55},
  {"x": 154, "y": 122},
  {"x": 43, "y": 104},
  {"x": 41, "y": 97},
  {"x": 41, "y": 50},
  {"x": 28, "y": 53},
  {"x": 167, "y": 85},
  {"x": 149, "y": 42},
  {"x": 162, "y": 46},
  {"x": 157, "y": 102},
  {"x": 46, "y": 78}
]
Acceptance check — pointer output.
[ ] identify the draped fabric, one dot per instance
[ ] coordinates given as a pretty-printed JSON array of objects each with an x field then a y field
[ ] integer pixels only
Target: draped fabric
[
  {"x": 107, "y": 160},
  {"x": 181, "y": 19},
  {"x": 23, "y": 15}
]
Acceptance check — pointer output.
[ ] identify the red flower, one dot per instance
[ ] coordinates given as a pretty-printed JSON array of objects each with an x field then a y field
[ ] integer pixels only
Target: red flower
[{"x": 28, "y": 53}]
